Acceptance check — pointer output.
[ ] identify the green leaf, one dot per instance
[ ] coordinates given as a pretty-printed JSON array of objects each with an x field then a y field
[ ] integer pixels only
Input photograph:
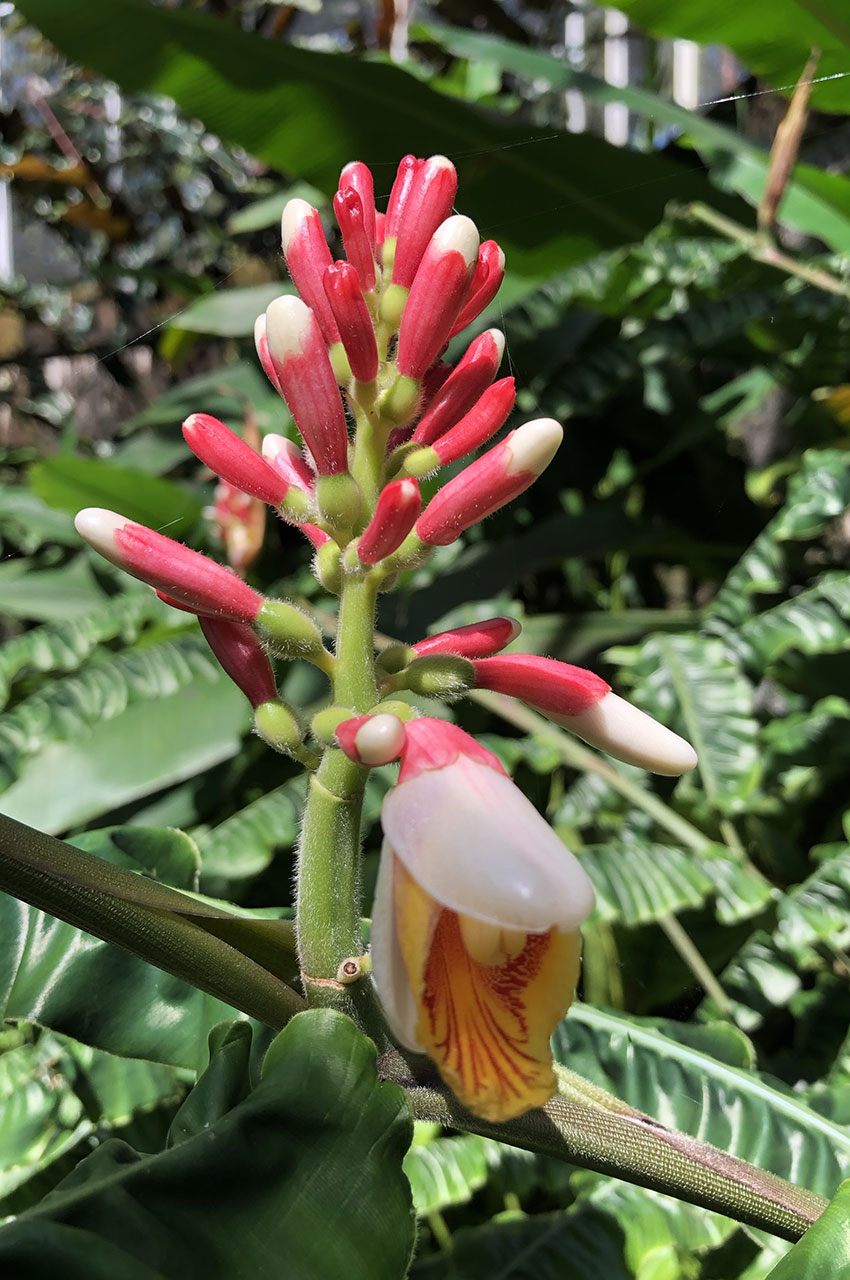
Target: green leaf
[
  {"x": 690, "y": 684},
  {"x": 817, "y": 495},
  {"x": 814, "y": 621},
  {"x": 695, "y": 1079},
  {"x": 448, "y": 1171},
  {"x": 796, "y": 27},
  {"x": 229, "y": 313},
  {"x": 49, "y": 595},
  {"x": 307, "y": 113},
  {"x": 245, "y": 843},
  {"x": 583, "y": 1245},
  {"x": 824, "y": 1251},
  {"x": 252, "y": 1192},
  {"x": 815, "y": 202},
  {"x": 65, "y": 646},
  {"x": 123, "y": 728},
  {"x": 266, "y": 212},
  {"x": 224, "y": 1084},
  {"x": 70, "y": 483},
  {"x": 637, "y": 881},
  {"x": 28, "y": 522}
]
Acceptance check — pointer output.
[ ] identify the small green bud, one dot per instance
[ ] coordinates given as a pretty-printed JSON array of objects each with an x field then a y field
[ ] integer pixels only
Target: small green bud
[
  {"x": 277, "y": 724},
  {"x": 440, "y": 675},
  {"x": 388, "y": 254},
  {"x": 400, "y": 401},
  {"x": 412, "y": 552},
  {"x": 339, "y": 364},
  {"x": 396, "y": 658},
  {"x": 419, "y": 462},
  {"x": 289, "y": 632},
  {"x": 324, "y": 724},
  {"x": 339, "y": 500},
  {"x": 328, "y": 569},
  {"x": 394, "y": 707}
]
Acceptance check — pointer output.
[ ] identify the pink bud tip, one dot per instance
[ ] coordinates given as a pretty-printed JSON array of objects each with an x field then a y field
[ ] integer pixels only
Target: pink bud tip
[
  {"x": 492, "y": 481},
  {"x": 304, "y": 372},
  {"x": 436, "y": 295},
  {"x": 475, "y": 428},
  {"x": 307, "y": 257},
  {"x": 230, "y": 457},
  {"x": 542, "y": 682},
  {"x": 372, "y": 740},
  {"x": 434, "y": 744},
  {"x": 188, "y": 577},
  {"x": 356, "y": 331},
  {"x": 427, "y": 204},
  {"x": 401, "y": 192},
  {"x": 477, "y": 640},
  {"x": 287, "y": 459},
  {"x": 395, "y": 515},
  {"x": 359, "y": 250},
  {"x": 242, "y": 657},
  {"x": 359, "y": 176},
  {"x": 261, "y": 343},
  {"x": 314, "y": 534},
  {"x": 486, "y": 282},
  {"x": 459, "y": 392}
]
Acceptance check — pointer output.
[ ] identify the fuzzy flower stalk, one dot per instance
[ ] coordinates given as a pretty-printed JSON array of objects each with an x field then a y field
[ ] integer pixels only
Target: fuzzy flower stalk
[{"x": 476, "y": 944}]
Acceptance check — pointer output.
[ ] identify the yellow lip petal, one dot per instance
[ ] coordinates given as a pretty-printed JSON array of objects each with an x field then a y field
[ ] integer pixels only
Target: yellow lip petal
[{"x": 485, "y": 1025}]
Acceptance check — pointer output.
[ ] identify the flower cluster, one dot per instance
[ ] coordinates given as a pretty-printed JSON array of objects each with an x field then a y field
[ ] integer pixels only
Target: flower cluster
[{"x": 475, "y": 939}]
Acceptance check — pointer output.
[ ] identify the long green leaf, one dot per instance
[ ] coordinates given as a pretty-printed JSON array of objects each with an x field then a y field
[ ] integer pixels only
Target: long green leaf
[
  {"x": 824, "y": 1251},
  {"x": 550, "y": 202},
  {"x": 814, "y": 202}
]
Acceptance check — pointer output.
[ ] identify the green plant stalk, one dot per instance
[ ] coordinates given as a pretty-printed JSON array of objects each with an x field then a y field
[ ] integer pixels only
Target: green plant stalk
[
  {"x": 328, "y": 893},
  {"x": 587, "y": 1127},
  {"x": 103, "y": 900}
]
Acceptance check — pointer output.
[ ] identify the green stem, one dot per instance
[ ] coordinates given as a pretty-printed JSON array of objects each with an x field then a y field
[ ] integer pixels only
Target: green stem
[{"x": 611, "y": 1138}]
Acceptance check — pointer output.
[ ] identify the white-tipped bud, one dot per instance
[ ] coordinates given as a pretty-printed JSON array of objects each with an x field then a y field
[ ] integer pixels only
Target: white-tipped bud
[
  {"x": 98, "y": 528},
  {"x": 288, "y": 324},
  {"x": 533, "y": 446},
  {"x": 294, "y": 213},
  {"x": 630, "y": 735},
  {"x": 458, "y": 234},
  {"x": 380, "y": 739}
]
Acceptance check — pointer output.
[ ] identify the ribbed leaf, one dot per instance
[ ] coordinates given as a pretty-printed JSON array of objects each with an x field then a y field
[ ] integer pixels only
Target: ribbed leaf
[
  {"x": 817, "y": 494},
  {"x": 824, "y": 1251},
  {"x": 49, "y": 595},
  {"x": 122, "y": 728},
  {"x": 251, "y": 1193},
  {"x": 815, "y": 621},
  {"x": 583, "y": 1245},
  {"x": 65, "y": 646},
  {"x": 448, "y": 1171},
  {"x": 696, "y": 1079},
  {"x": 230, "y": 313},
  {"x": 689, "y": 683},
  {"x": 245, "y": 843},
  {"x": 638, "y": 881}
]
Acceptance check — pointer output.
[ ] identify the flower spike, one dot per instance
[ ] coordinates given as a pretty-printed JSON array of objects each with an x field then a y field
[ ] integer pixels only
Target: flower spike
[
  {"x": 168, "y": 566},
  {"x": 456, "y": 395},
  {"x": 225, "y": 453},
  {"x": 492, "y": 481},
  {"x": 436, "y": 295},
  {"x": 476, "y": 640},
  {"x": 395, "y": 515},
  {"x": 300, "y": 360},
  {"x": 486, "y": 282},
  {"x": 582, "y": 702},
  {"x": 307, "y": 257}
]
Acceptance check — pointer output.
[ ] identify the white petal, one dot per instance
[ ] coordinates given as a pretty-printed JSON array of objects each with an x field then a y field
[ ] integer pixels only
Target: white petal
[
  {"x": 388, "y": 969},
  {"x": 99, "y": 527},
  {"x": 630, "y": 735},
  {"x": 476, "y": 844}
]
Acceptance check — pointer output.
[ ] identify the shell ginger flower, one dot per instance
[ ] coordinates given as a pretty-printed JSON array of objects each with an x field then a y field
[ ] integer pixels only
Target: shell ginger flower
[{"x": 475, "y": 932}]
